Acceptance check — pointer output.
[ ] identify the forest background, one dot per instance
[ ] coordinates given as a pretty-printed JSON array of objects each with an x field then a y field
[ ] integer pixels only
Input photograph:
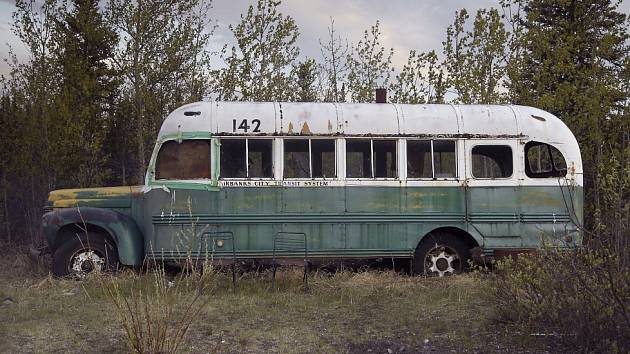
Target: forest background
[{"x": 84, "y": 109}]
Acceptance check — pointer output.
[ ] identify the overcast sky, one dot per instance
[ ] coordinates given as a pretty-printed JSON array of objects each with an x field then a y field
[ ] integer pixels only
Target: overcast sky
[{"x": 405, "y": 24}]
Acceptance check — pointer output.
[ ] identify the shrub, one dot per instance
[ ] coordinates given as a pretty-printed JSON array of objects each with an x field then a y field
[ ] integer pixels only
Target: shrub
[
  {"x": 155, "y": 310},
  {"x": 581, "y": 297}
]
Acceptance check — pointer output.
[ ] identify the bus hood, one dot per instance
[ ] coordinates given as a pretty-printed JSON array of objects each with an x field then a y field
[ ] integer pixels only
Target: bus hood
[{"x": 103, "y": 197}]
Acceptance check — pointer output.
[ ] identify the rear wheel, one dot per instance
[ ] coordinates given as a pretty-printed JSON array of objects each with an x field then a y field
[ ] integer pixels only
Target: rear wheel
[
  {"x": 440, "y": 254},
  {"x": 85, "y": 254}
]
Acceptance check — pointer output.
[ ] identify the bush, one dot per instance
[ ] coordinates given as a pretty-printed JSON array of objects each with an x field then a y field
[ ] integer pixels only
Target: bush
[
  {"x": 581, "y": 297},
  {"x": 156, "y": 310}
]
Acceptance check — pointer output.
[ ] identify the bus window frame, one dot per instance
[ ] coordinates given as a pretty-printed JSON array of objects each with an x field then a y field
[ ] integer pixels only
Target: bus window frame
[
  {"x": 397, "y": 141},
  {"x": 310, "y": 158},
  {"x": 433, "y": 178},
  {"x": 213, "y": 172},
  {"x": 515, "y": 161},
  {"x": 247, "y": 178}
]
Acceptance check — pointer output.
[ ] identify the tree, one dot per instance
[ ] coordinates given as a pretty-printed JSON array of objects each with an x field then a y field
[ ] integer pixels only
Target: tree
[
  {"x": 88, "y": 90},
  {"x": 260, "y": 66},
  {"x": 476, "y": 60},
  {"x": 572, "y": 62},
  {"x": 334, "y": 67},
  {"x": 420, "y": 80},
  {"x": 369, "y": 66},
  {"x": 163, "y": 59},
  {"x": 306, "y": 75}
]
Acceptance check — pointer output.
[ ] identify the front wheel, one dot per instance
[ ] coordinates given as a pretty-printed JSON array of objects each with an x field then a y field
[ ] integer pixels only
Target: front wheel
[
  {"x": 440, "y": 254},
  {"x": 84, "y": 254}
]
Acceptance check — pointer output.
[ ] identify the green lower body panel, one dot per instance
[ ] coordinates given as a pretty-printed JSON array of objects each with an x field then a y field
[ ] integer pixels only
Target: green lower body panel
[{"x": 351, "y": 221}]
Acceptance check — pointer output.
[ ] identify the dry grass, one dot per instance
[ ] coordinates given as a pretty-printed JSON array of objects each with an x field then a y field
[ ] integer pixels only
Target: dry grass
[{"x": 357, "y": 312}]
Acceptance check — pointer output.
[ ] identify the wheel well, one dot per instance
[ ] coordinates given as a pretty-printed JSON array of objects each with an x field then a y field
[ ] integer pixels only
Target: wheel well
[
  {"x": 459, "y": 233},
  {"x": 72, "y": 230}
]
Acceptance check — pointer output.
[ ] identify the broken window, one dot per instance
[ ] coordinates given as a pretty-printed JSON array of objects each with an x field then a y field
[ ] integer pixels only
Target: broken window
[
  {"x": 189, "y": 159},
  {"x": 309, "y": 158},
  {"x": 431, "y": 159},
  {"x": 492, "y": 161},
  {"x": 242, "y": 158},
  {"x": 367, "y": 158},
  {"x": 543, "y": 160}
]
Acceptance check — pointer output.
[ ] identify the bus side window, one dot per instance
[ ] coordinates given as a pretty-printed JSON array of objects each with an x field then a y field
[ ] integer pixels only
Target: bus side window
[
  {"x": 296, "y": 158},
  {"x": 543, "y": 160},
  {"x": 323, "y": 158},
  {"x": 420, "y": 153},
  {"x": 358, "y": 158},
  {"x": 189, "y": 159},
  {"x": 419, "y": 159},
  {"x": 260, "y": 158},
  {"x": 233, "y": 158},
  {"x": 367, "y": 158},
  {"x": 444, "y": 160},
  {"x": 492, "y": 161},
  {"x": 385, "y": 158}
]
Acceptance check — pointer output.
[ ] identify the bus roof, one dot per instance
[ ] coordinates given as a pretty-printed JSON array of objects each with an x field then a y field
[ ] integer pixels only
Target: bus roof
[{"x": 370, "y": 119}]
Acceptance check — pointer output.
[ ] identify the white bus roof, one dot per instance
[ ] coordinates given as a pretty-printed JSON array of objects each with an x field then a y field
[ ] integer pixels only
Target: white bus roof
[{"x": 370, "y": 119}]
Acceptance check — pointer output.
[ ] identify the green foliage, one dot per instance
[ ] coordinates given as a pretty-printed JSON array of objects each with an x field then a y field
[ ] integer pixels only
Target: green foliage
[
  {"x": 420, "y": 80},
  {"x": 581, "y": 298},
  {"x": 306, "y": 75},
  {"x": 475, "y": 60},
  {"x": 162, "y": 58},
  {"x": 87, "y": 91},
  {"x": 569, "y": 57},
  {"x": 261, "y": 66},
  {"x": 369, "y": 66}
]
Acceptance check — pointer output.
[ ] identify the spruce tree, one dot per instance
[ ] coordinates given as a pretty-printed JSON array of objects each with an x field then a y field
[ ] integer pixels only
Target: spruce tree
[{"x": 570, "y": 62}]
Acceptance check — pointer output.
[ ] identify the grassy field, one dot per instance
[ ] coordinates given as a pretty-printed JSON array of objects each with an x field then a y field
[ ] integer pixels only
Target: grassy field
[{"x": 352, "y": 312}]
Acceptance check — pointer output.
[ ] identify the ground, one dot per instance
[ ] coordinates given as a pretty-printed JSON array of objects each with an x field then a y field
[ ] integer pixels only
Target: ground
[{"x": 372, "y": 311}]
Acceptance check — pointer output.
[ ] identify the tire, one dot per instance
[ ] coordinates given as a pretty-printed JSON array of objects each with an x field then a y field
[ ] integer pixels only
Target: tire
[
  {"x": 83, "y": 254},
  {"x": 440, "y": 254}
]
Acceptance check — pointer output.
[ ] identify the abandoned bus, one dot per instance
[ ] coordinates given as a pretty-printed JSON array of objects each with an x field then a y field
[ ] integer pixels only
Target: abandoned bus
[{"x": 435, "y": 184}]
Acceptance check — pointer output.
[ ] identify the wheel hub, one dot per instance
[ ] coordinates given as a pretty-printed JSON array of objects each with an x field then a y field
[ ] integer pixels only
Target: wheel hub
[
  {"x": 87, "y": 261},
  {"x": 441, "y": 260}
]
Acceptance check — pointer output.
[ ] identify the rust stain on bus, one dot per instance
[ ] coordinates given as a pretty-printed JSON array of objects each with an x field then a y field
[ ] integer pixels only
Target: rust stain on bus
[{"x": 305, "y": 129}]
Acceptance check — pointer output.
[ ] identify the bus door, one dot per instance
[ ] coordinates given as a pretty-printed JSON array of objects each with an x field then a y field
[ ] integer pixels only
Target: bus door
[{"x": 492, "y": 191}]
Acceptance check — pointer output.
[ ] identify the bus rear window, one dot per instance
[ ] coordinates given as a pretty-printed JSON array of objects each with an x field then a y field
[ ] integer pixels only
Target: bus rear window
[
  {"x": 492, "y": 161},
  {"x": 189, "y": 159}
]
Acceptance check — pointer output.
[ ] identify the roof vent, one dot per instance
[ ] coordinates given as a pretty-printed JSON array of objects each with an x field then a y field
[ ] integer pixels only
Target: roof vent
[
  {"x": 192, "y": 113},
  {"x": 381, "y": 95}
]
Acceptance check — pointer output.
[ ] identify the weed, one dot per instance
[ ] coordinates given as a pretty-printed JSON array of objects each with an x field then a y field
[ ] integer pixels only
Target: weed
[{"x": 155, "y": 310}]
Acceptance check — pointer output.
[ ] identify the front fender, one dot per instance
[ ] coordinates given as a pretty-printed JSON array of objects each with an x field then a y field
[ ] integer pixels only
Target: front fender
[{"x": 122, "y": 228}]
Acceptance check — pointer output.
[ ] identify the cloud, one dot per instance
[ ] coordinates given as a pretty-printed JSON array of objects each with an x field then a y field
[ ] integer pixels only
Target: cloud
[{"x": 405, "y": 24}]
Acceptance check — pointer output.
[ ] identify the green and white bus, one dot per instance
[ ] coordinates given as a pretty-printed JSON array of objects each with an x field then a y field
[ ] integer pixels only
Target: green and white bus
[{"x": 431, "y": 183}]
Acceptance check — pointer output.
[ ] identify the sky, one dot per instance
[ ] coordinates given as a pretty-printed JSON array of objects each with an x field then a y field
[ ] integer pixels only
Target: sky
[{"x": 405, "y": 24}]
